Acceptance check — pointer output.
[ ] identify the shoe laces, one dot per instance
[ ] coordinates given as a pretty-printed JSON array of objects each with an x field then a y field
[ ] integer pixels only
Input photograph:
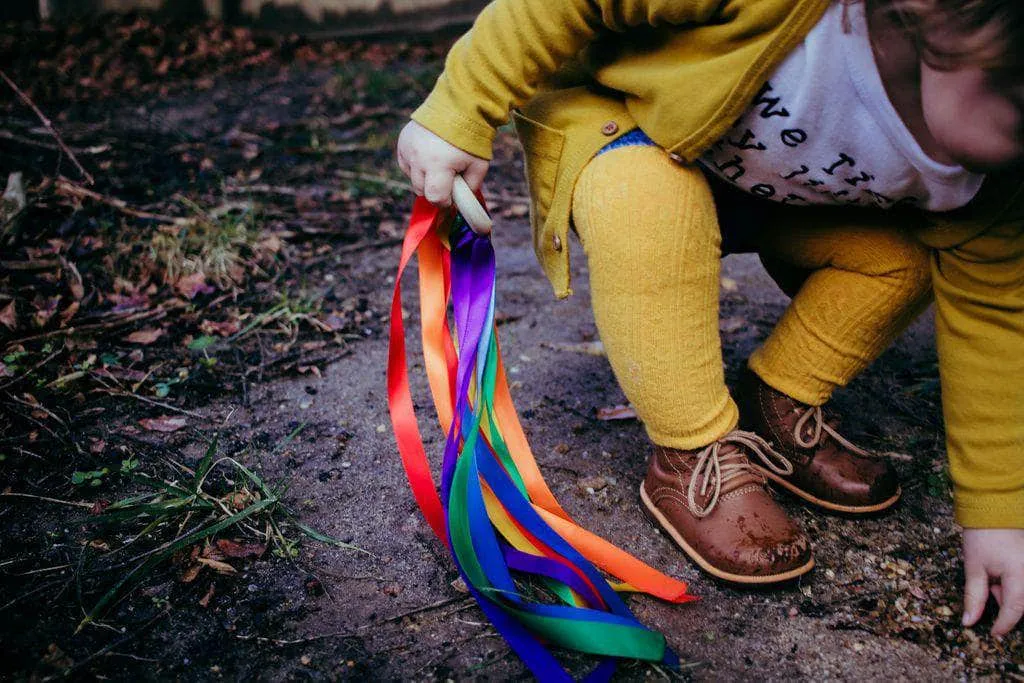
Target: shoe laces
[
  {"x": 716, "y": 466},
  {"x": 818, "y": 429}
]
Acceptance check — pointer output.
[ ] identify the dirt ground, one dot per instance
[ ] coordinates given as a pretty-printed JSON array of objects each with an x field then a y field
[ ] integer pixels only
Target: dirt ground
[{"x": 882, "y": 603}]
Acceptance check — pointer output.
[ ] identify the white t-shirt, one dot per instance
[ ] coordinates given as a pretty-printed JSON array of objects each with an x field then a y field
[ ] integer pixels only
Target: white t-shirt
[{"x": 823, "y": 131}]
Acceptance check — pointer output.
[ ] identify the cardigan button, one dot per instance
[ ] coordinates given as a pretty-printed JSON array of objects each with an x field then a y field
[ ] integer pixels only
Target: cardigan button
[
  {"x": 610, "y": 128},
  {"x": 556, "y": 243},
  {"x": 676, "y": 158}
]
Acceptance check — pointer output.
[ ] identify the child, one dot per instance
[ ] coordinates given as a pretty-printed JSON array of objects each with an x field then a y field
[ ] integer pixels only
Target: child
[{"x": 867, "y": 150}]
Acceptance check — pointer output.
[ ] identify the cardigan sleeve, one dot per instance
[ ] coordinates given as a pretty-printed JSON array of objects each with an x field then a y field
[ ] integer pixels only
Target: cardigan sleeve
[
  {"x": 516, "y": 45},
  {"x": 979, "y": 292}
]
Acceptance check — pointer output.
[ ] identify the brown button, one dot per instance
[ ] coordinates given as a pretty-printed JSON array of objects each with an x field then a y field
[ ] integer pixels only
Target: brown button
[
  {"x": 610, "y": 128},
  {"x": 556, "y": 242}
]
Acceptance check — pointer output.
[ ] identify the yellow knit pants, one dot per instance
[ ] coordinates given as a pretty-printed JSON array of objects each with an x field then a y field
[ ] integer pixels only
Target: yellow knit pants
[{"x": 650, "y": 229}]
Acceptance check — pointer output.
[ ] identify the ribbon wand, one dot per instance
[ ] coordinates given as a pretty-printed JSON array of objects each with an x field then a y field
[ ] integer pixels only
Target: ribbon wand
[{"x": 492, "y": 509}]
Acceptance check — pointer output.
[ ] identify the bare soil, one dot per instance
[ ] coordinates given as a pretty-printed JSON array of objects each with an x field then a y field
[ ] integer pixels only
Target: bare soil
[{"x": 882, "y": 603}]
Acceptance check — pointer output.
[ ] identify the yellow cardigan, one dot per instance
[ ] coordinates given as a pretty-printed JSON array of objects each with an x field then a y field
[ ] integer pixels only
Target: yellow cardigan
[{"x": 579, "y": 73}]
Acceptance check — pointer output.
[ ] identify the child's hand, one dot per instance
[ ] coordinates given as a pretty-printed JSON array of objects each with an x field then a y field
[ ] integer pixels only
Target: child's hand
[
  {"x": 996, "y": 557},
  {"x": 431, "y": 163}
]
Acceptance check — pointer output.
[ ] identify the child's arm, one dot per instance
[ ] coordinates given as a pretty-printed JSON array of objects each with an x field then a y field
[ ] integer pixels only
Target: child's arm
[
  {"x": 513, "y": 47},
  {"x": 979, "y": 291}
]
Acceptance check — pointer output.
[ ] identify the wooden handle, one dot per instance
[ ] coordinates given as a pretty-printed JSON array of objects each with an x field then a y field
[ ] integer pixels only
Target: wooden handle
[{"x": 470, "y": 208}]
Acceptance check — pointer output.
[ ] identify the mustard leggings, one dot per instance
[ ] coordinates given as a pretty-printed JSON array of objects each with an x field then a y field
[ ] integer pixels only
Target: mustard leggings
[{"x": 650, "y": 229}]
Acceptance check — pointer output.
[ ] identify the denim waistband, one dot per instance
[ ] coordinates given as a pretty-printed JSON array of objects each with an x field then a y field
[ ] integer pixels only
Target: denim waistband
[{"x": 635, "y": 137}]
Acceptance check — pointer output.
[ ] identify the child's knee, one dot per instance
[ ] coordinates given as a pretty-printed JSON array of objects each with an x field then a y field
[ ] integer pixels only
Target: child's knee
[
  {"x": 638, "y": 191},
  {"x": 909, "y": 262}
]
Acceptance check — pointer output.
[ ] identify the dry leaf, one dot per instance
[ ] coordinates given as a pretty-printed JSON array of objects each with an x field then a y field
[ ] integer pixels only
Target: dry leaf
[
  {"x": 191, "y": 573},
  {"x": 242, "y": 550},
  {"x": 616, "y": 413},
  {"x": 145, "y": 337},
  {"x": 205, "y": 600},
  {"x": 271, "y": 243},
  {"x": 68, "y": 313},
  {"x": 9, "y": 316},
  {"x": 217, "y": 565},
  {"x": 45, "y": 308},
  {"x": 225, "y": 328},
  {"x": 74, "y": 279},
  {"x": 163, "y": 424},
  {"x": 191, "y": 286}
]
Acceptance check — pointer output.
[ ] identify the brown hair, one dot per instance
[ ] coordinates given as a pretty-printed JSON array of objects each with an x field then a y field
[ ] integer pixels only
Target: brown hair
[{"x": 956, "y": 33}]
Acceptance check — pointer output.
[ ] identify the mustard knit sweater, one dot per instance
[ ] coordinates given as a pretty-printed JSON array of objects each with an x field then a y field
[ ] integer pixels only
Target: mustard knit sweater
[{"x": 585, "y": 71}]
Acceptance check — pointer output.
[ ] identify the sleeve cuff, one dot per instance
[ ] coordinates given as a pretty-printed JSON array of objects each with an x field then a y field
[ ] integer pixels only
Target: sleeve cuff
[
  {"x": 458, "y": 129},
  {"x": 990, "y": 510}
]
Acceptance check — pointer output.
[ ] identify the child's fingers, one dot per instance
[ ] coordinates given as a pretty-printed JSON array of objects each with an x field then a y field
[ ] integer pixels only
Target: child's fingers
[
  {"x": 437, "y": 188},
  {"x": 417, "y": 177},
  {"x": 474, "y": 174},
  {"x": 975, "y": 592},
  {"x": 403, "y": 164},
  {"x": 1012, "y": 608}
]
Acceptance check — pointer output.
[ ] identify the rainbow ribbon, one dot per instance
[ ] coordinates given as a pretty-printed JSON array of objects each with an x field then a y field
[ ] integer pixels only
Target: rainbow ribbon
[{"x": 494, "y": 511}]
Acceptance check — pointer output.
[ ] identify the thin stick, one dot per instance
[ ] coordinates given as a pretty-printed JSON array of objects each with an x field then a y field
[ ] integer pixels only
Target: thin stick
[
  {"x": 117, "y": 643},
  {"x": 72, "y": 503},
  {"x": 32, "y": 369},
  {"x": 117, "y": 322},
  {"x": 95, "y": 149},
  {"x": 387, "y": 182},
  {"x": 48, "y": 125},
  {"x": 298, "y": 641},
  {"x": 367, "y": 246},
  {"x": 168, "y": 406},
  {"x": 67, "y": 187},
  {"x": 417, "y": 610}
]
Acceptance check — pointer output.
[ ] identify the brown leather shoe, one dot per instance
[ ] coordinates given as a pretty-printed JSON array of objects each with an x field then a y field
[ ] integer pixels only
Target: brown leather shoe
[
  {"x": 828, "y": 470},
  {"x": 714, "y": 504}
]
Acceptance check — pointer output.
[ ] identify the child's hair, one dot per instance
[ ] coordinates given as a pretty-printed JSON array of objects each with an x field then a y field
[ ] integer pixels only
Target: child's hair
[{"x": 955, "y": 33}]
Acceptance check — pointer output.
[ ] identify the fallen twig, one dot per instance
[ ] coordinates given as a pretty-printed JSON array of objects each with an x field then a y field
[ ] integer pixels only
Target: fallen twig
[
  {"x": 28, "y": 373},
  {"x": 65, "y": 186},
  {"x": 71, "y": 503},
  {"x": 14, "y": 137},
  {"x": 387, "y": 182},
  {"x": 894, "y": 455},
  {"x": 117, "y": 643},
  {"x": 161, "y": 404},
  {"x": 363, "y": 246},
  {"x": 48, "y": 125},
  {"x": 117, "y": 322},
  {"x": 297, "y": 641},
  {"x": 417, "y": 610}
]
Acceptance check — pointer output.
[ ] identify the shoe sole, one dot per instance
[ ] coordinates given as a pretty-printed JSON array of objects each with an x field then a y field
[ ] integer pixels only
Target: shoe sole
[
  {"x": 662, "y": 522},
  {"x": 824, "y": 504}
]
